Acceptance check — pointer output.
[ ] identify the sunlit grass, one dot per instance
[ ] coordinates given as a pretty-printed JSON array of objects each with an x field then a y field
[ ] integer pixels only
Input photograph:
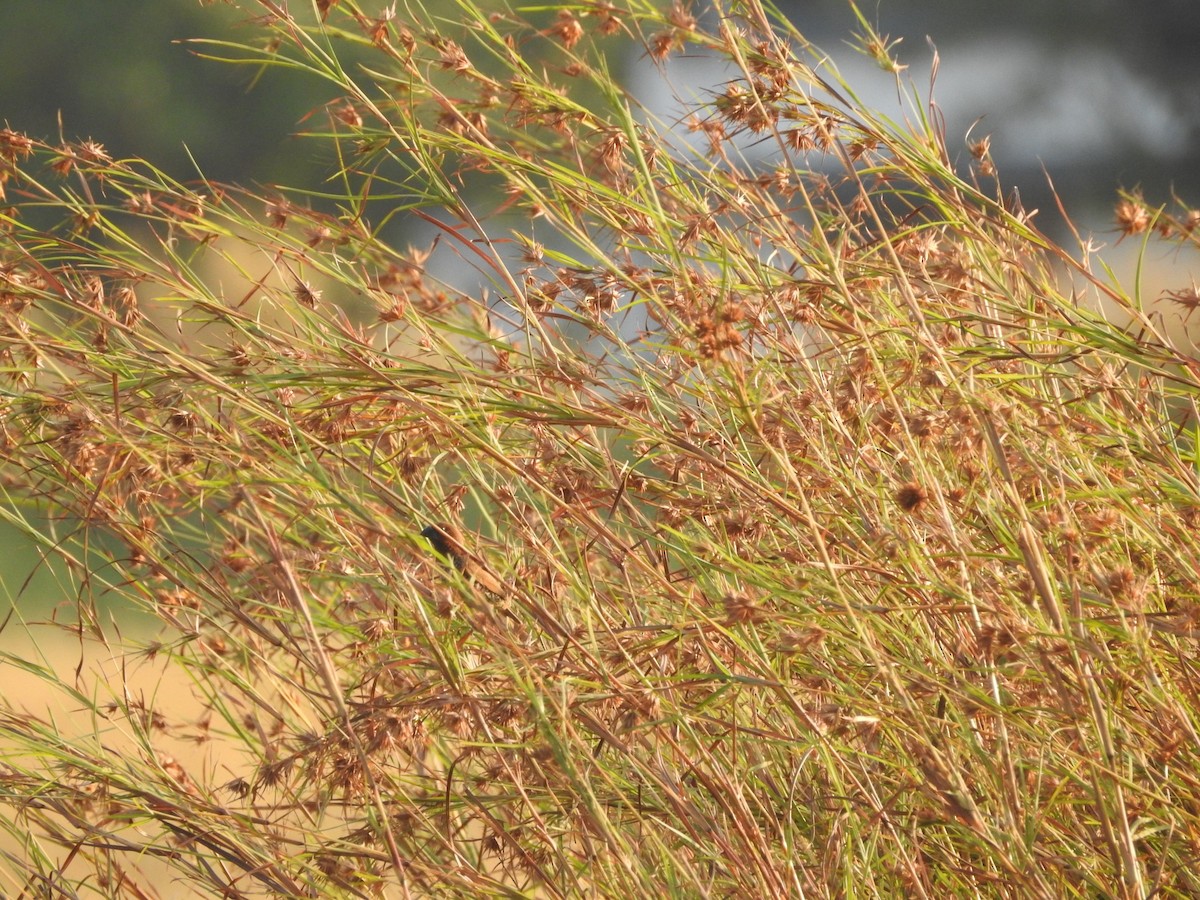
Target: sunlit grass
[{"x": 804, "y": 533}]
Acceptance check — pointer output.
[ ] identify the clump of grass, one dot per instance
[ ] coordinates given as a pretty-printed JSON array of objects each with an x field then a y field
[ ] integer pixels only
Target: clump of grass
[{"x": 801, "y": 533}]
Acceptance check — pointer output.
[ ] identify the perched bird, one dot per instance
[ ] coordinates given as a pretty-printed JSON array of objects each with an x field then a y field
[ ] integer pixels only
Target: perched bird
[{"x": 447, "y": 542}]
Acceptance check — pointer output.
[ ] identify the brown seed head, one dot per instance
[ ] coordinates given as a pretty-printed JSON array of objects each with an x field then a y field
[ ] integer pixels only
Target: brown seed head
[
  {"x": 1132, "y": 217},
  {"x": 911, "y": 496}
]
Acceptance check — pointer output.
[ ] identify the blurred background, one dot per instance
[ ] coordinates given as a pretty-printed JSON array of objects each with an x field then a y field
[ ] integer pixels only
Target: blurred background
[{"x": 1103, "y": 93}]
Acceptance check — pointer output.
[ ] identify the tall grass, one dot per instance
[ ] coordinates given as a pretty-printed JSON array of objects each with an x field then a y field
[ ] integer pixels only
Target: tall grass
[{"x": 811, "y": 537}]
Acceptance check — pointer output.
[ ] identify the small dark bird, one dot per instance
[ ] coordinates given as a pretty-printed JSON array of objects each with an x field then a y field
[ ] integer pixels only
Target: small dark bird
[{"x": 447, "y": 542}]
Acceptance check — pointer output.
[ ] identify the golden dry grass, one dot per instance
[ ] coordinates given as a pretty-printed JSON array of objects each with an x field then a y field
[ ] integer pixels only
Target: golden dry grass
[{"x": 816, "y": 539}]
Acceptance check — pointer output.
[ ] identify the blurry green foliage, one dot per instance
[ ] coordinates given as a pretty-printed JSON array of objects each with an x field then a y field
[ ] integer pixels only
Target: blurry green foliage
[{"x": 116, "y": 72}]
